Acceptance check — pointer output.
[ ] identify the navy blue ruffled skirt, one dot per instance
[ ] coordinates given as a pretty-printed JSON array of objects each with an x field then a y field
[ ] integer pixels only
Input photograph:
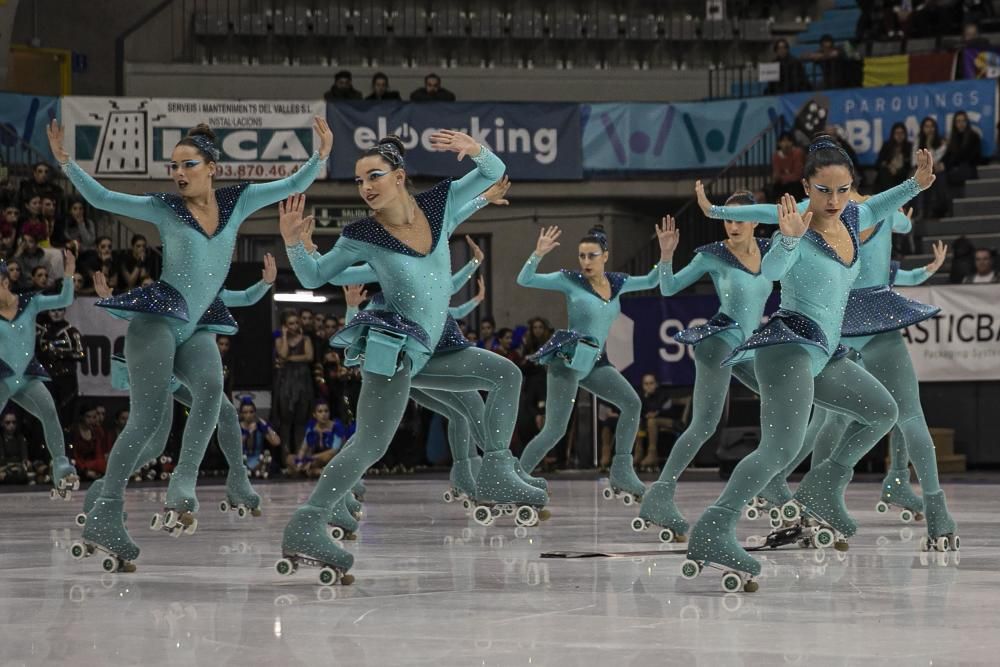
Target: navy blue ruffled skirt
[
  {"x": 562, "y": 346},
  {"x": 875, "y": 310},
  {"x": 451, "y": 338},
  {"x": 161, "y": 298},
  {"x": 720, "y": 322},
  {"x": 787, "y": 327},
  {"x": 353, "y": 337}
]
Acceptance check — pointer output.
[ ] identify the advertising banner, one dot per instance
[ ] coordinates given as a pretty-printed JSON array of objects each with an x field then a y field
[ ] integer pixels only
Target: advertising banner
[
  {"x": 24, "y": 117},
  {"x": 102, "y": 336}
]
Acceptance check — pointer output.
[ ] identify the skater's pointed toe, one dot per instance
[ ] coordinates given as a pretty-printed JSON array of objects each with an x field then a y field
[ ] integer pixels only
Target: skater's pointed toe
[
  {"x": 821, "y": 493},
  {"x": 713, "y": 540},
  {"x": 658, "y": 508},
  {"x": 105, "y": 527},
  {"x": 622, "y": 477}
]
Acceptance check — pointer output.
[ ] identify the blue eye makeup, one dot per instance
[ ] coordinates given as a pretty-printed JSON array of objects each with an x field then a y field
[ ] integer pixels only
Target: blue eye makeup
[
  {"x": 372, "y": 176},
  {"x": 590, "y": 255},
  {"x": 187, "y": 164}
]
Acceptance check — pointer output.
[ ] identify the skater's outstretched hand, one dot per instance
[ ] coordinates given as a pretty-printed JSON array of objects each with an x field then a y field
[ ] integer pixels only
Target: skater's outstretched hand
[
  {"x": 547, "y": 240},
  {"x": 940, "y": 252},
  {"x": 669, "y": 236},
  {"x": 57, "y": 136},
  {"x": 101, "y": 286},
  {"x": 455, "y": 142},
  {"x": 792, "y": 223},
  {"x": 270, "y": 272},
  {"x": 497, "y": 193},
  {"x": 925, "y": 169},
  {"x": 355, "y": 295},
  {"x": 703, "y": 203},
  {"x": 477, "y": 252},
  {"x": 291, "y": 222},
  {"x": 69, "y": 263},
  {"x": 481, "y": 294},
  {"x": 321, "y": 128}
]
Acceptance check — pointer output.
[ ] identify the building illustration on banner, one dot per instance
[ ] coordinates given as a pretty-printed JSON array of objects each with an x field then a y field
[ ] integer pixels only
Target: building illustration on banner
[{"x": 118, "y": 143}]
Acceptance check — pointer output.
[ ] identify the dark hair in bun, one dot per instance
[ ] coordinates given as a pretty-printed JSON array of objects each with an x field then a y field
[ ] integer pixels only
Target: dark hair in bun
[
  {"x": 826, "y": 151},
  {"x": 596, "y": 234},
  {"x": 391, "y": 149},
  {"x": 741, "y": 198},
  {"x": 202, "y": 138}
]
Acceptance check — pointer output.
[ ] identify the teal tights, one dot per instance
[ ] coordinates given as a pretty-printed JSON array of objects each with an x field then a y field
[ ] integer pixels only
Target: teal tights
[
  {"x": 788, "y": 390},
  {"x": 560, "y": 396},
  {"x": 383, "y": 400},
  {"x": 36, "y": 399},
  {"x": 459, "y": 428}
]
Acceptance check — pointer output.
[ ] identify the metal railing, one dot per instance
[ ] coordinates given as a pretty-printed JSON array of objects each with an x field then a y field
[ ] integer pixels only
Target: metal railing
[
  {"x": 742, "y": 81},
  {"x": 749, "y": 170}
]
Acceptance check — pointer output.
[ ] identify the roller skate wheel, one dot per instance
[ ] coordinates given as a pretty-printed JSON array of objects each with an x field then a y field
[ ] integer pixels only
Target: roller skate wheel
[
  {"x": 774, "y": 514},
  {"x": 608, "y": 494},
  {"x": 881, "y": 507},
  {"x": 448, "y": 497},
  {"x": 241, "y": 512},
  {"x": 823, "y": 538},
  {"x": 109, "y": 564},
  {"x": 466, "y": 504},
  {"x": 690, "y": 569},
  {"x": 191, "y": 527},
  {"x": 526, "y": 516},
  {"x": 926, "y": 544},
  {"x": 752, "y": 513},
  {"x": 67, "y": 495},
  {"x": 638, "y": 525},
  {"x": 76, "y": 484},
  {"x": 667, "y": 535},
  {"x": 790, "y": 511},
  {"x": 482, "y": 515},
  {"x": 284, "y": 567},
  {"x": 906, "y": 516},
  {"x": 732, "y": 582},
  {"x": 53, "y": 494},
  {"x": 223, "y": 506},
  {"x": 776, "y": 522},
  {"x": 327, "y": 576},
  {"x": 508, "y": 510},
  {"x": 751, "y": 586},
  {"x": 156, "y": 523},
  {"x": 78, "y": 551},
  {"x": 171, "y": 519},
  {"x": 628, "y": 499},
  {"x": 81, "y": 519},
  {"x": 942, "y": 543},
  {"x": 956, "y": 543},
  {"x": 337, "y": 533}
]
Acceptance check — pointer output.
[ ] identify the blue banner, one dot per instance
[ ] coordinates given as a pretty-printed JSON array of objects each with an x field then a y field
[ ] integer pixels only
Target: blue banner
[
  {"x": 537, "y": 141},
  {"x": 24, "y": 118},
  {"x": 668, "y": 137},
  {"x": 866, "y": 114},
  {"x": 653, "y": 321}
]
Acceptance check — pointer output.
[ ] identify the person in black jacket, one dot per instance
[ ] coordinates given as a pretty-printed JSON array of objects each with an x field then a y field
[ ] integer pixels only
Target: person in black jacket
[
  {"x": 432, "y": 91},
  {"x": 380, "y": 89},
  {"x": 793, "y": 73}
]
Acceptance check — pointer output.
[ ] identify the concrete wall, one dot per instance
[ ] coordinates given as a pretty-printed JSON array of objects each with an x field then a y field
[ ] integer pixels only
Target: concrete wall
[
  {"x": 8, "y": 11},
  {"x": 468, "y": 84}
]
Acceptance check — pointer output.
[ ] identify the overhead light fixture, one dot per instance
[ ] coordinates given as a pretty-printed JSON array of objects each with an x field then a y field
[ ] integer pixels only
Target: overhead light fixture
[{"x": 300, "y": 296}]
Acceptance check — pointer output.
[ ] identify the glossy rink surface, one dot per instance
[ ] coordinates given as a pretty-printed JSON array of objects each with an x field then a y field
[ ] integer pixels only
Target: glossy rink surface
[{"x": 434, "y": 588}]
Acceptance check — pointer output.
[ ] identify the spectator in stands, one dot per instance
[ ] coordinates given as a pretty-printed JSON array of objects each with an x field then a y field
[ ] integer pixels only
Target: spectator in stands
[
  {"x": 831, "y": 61},
  {"x": 786, "y": 168},
  {"x": 8, "y": 191},
  {"x": 14, "y": 467},
  {"x": 261, "y": 443},
  {"x": 18, "y": 283},
  {"x": 964, "y": 153},
  {"x": 985, "y": 272},
  {"x": 134, "y": 266},
  {"x": 29, "y": 255},
  {"x": 487, "y": 338},
  {"x": 342, "y": 88},
  {"x": 49, "y": 209},
  {"x": 89, "y": 444},
  {"x": 432, "y": 91},
  {"x": 8, "y": 232},
  {"x": 39, "y": 184},
  {"x": 121, "y": 418},
  {"x": 504, "y": 347},
  {"x": 971, "y": 39},
  {"x": 293, "y": 382},
  {"x": 657, "y": 413},
  {"x": 325, "y": 435},
  {"x": 78, "y": 228},
  {"x": 472, "y": 337},
  {"x": 933, "y": 201},
  {"x": 894, "y": 159},
  {"x": 80, "y": 286},
  {"x": 380, "y": 89},
  {"x": 792, "y": 73},
  {"x": 607, "y": 422},
  {"x": 225, "y": 345},
  {"x": 39, "y": 278},
  {"x": 31, "y": 220}
]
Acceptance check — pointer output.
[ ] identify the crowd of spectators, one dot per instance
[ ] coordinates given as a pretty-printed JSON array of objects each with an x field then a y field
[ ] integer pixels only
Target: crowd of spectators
[
  {"x": 892, "y": 19},
  {"x": 343, "y": 89}
]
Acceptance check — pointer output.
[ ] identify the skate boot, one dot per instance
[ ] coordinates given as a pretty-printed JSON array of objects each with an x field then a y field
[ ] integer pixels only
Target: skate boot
[
  {"x": 178, "y": 516},
  {"x": 819, "y": 505},
  {"x": 476, "y": 462},
  {"x": 658, "y": 509},
  {"x": 353, "y": 506},
  {"x": 341, "y": 525},
  {"x": 537, "y": 482},
  {"x": 463, "y": 484},
  {"x": 897, "y": 492},
  {"x": 306, "y": 542},
  {"x": 623, "y": 482},
  {"x": 359, "y": 491},
  {"x": 771, "y": 500},
  {"x": 713, "y": 544},
  {"x": 500, "y": 490},
  {"x": 942, "y": 531},
  {"x": 240, "y": 496},
  {"x": 105, "y": 535},
  {"x": 64, "y": 479}
]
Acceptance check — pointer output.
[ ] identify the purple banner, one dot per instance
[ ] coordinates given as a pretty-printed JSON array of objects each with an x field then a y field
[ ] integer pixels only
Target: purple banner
[{"x": 981, "y": 63}]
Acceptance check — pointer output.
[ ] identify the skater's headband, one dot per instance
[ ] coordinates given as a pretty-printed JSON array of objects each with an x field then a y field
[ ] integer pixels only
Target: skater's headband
[
  {"x": 821, "y": 146},
  {"x": 206, "y": 146},
  {"x": 390, "y": 153},
  {"x": 743, "y": 197},
  {"x": 596, "y": 235}
]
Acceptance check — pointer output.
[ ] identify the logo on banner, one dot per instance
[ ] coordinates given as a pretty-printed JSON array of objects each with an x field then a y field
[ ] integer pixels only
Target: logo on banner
[
  {"x": 116, "y": 143},
  {"x": 987, "y": 65},
  {"x": 639, "y": 142},
  {"x": 541, "y": 144}
]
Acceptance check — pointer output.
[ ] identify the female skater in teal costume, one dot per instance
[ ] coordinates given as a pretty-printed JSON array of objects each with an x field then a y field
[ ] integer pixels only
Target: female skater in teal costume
[
  {"x": 172, "y": 332},
  {"x": 735, "y": 269},
  {"x": 873, "y": 322},
  {"x": 21, "y": 375},
  {"x": 574, "y": 355},
  {"x": 405, "y": 242},
  {"x": 240, "y": 495},
  {"x": 796, "y": 362}
]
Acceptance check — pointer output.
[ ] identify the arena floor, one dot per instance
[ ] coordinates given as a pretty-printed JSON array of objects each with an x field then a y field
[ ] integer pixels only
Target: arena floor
[{"x": 434, "y": 588}]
